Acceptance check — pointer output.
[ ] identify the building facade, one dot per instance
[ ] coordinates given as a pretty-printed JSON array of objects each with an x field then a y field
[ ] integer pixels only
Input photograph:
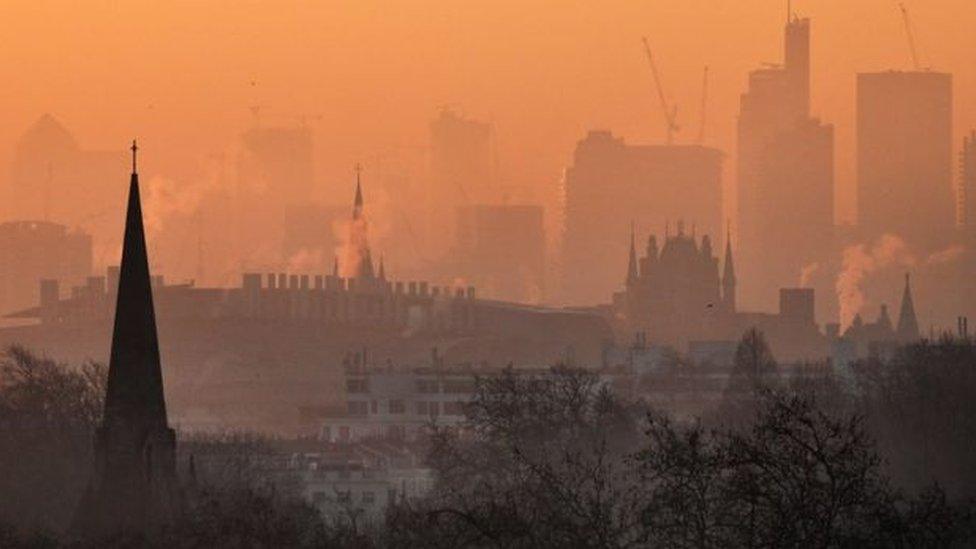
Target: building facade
[
  {"x": 31, "y": 251},
  {"x": 785, "y": 173},
  {"x": 904, "y": 157},
  {"x": 612, "y": 184},
  {"x": 501, "y": 249}
]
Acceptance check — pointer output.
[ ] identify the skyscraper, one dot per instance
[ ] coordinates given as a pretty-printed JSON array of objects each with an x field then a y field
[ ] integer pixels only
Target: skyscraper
[
  {"x": 275, "y": 171},
  {"x": 612, "y": 184},
  {"x": 904, "y": 157},
  {"x": 133, "y": 487},
  {"x": 501, "y": 249},
  {"x": 785, "y": 173},
  {"x": 462, "y": 173}
]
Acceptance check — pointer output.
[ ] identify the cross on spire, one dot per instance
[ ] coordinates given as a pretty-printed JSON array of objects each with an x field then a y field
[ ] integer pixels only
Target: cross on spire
[{"x": 135, "y": 149}]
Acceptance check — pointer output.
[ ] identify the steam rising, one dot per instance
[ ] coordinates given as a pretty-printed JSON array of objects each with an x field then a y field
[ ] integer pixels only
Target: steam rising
[{"x": 859, "y": 262}]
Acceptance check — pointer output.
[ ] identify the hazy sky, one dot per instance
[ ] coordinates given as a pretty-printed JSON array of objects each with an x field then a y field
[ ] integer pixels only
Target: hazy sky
[{"x": 181, "y": 75}]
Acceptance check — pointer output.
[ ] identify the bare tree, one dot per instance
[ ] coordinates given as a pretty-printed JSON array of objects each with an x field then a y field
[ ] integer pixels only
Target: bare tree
[{"x": 48, "y": 415}]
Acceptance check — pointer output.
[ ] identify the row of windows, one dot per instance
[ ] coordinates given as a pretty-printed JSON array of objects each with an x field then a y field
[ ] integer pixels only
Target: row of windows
[
  {"x": 367, "y": 498},
  {"x": 398, "y": 406},
  {"x": 424, "y": 386}
]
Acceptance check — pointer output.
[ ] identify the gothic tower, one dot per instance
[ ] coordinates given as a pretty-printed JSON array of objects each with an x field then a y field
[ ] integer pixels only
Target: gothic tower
[
  {"x": 133, "y": 488},
  {"x": 728, "y": 277},
  {"x": 359, "y": 259},
  {"x": 907, "y": 330}
]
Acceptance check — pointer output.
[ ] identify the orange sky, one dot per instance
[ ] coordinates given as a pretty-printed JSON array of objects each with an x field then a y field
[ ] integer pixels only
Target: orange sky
[{"x": 179, "y": 74}]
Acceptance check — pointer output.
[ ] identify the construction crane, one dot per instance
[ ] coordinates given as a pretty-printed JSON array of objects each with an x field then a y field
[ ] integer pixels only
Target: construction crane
[
  {"x": 704, "y": 108},
  {"x": 670, "y": 112},
  {"x": 911, "y": 36}
]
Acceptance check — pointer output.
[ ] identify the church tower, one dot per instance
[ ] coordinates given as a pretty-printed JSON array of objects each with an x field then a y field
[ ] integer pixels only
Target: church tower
[
  {"x": 632, "y": 272},
  {"x": 728, "y": 277},
  {"x": 359, "y": 259},
  {"x": 907, "y": 330},
  {"x": 133, "y": 488}
]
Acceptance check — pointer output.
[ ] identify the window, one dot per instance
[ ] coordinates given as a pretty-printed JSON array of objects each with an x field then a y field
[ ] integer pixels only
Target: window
[
  {"x": 355, "y": 386},
  {"x": 369, "y": 498},
  {"x": 343, "y": 496},
  {"x": 396, "y": 432},
  {"x": 433, "y": 409},
  {"x": 374, "y": 407},
  {"x": 454, "y": 408},
  {"x": 343, "y": 433},
  {"x": 461, "y": 386},
  {"x": 422, "y": 408},
  {"x": 427, "y": 386},
  {"x": 357, "y": 408},
  {"x": 397, "y": 406}
]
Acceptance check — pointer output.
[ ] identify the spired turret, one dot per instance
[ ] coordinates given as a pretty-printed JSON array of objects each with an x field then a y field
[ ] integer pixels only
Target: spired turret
[
  {"x": 632, "y": 274},
  {"x": 728, "y": 276},
  {"x": 133, "y": 488},
  {"x": 907, "y": 330}
]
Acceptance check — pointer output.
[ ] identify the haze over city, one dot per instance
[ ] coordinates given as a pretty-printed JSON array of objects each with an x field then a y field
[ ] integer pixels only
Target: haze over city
[{"x": 507, "y": 274}]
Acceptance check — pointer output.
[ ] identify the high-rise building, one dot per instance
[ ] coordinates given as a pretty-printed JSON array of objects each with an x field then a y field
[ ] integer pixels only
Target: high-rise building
[
  {"x": 31, "y": 251},
  {"x": 611, "y": 185},
  {"x": 904, "y": 157},
  {"x": 55, "y": 178},
  {"x": 785, "y": 173},
  {"x": 275, "y": 172},
  {"x": 966, "y": 201},
  {"x": 133, "y": 488},
  {"x": 501, "y": 249},
  {"x": 462, "y": 172}
]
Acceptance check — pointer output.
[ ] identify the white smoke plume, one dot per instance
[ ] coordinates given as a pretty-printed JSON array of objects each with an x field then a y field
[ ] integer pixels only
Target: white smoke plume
[
  {"x": 806, "y": 274},
  {"x": 370, "y": 230},
  {"x": 859, "y": 261},
  {"x": 947, "y": 255},
  {"x": 307, "y": 261}
]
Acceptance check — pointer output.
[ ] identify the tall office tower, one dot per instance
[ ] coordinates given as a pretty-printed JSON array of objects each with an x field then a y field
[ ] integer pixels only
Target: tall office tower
[
  {"x": 55, "y": 178},
  {"x": 612, "y": 185},
  {"x": 966, "y": 200},
  {"x": 275, "y": 173},
  {"x": 462, "y": 173},
  {"x": 31, "y": 251},
  {"x": 785, "y": 174},
  {"x": 501, "y": 249},
  {"x": 904, "y": 157}
]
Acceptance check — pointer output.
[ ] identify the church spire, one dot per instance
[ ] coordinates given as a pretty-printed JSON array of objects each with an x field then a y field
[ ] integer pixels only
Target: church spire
[
  {"x": 135, "y": 383},
  {"x": 382, "y": 273},
  {"x": 632, "y": 258},
  {"x": 728, "y": 274},
  {"x": 907, "y": 322},
  {"x": 357, "y": 209},
  {"x": 134, "y": 485}
]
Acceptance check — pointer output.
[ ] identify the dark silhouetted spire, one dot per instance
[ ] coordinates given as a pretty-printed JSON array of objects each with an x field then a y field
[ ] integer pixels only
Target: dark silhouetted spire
[
  {"x": 728, "y": 275},
  {"x": 907, "y": 322},
  {"x": 135, "y": 382},
  {"x": 357, "y": 209},
  {"x": 382, "y": 273},
  {"x": 335, "y": 266},
  {"x": 134, "y": 485},
  {"x": 632, "y": 274}
]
